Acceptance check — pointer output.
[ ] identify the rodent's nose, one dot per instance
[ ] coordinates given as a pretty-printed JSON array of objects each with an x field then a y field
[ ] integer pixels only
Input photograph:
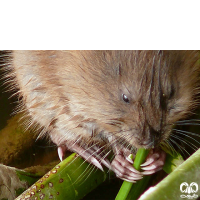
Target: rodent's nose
[
  {"x": 147, "y": 143},
  {"x": 154, "y": 137},
  {"x": 151, "y": 138},
  {"x": 153, "y": 132}
]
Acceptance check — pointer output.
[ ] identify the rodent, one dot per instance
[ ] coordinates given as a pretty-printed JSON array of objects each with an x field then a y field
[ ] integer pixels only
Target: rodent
[{"x": 92, "y": 102}]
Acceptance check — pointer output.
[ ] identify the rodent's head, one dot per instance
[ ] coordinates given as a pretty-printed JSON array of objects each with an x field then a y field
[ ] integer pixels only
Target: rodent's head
[{"x": 135, "y": 96}]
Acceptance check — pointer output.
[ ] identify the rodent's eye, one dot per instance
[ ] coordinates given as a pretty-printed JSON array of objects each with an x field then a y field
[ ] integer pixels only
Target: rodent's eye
[{"x": 125, "y": 98}]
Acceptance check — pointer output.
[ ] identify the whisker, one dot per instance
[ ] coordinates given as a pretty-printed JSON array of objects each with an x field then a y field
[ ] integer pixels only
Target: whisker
[
  {"x": 184, "y": 141},
  {"x": 179, "y": 146},
  {"x": 81, "y": 163},
  {"x": 90, "y": 165},
  {"x": 186, "y": 133},
  {"x": 189, "y": 120},
  {"x": 168, "y": 144},
  {"x": 188, "y": 123},
  {"x": 93, "y": 168},
  {"x": 84, "y": 173}
]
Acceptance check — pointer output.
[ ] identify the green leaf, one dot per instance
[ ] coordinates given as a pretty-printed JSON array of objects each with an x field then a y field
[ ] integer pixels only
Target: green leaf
[
  {"x": 27, "y": 177},
  {"x": 14, "y": 181},
  {"x": 169, "y": 188},
  {"x": 172, "y": 162},
  {"x": 72, "y": 179}
]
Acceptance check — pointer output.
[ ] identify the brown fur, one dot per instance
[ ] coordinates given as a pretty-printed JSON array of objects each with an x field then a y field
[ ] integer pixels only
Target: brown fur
[{"x": 77, "y": 95}]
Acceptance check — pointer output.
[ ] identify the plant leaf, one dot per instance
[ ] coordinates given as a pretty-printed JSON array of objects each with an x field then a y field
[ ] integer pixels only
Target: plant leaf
[
  {"x": 72, "y": 179},
  {"x": 169, "y": 188}
]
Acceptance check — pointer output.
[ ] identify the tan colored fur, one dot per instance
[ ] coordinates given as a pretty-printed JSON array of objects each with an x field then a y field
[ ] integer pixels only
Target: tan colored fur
[{"x": 77, "y": 95}]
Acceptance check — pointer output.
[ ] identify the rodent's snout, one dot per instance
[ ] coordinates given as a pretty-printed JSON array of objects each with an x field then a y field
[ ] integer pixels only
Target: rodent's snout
[
  {"x": 149, "y": 139},
  {"x": 146, "y": 143}
]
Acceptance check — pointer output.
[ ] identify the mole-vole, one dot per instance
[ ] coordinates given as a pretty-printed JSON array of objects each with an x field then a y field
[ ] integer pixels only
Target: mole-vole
[{"x": 95, "y": 102}]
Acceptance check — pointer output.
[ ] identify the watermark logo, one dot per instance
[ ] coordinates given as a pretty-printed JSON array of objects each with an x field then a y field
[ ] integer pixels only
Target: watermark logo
[{"x": 189, "y": 190}]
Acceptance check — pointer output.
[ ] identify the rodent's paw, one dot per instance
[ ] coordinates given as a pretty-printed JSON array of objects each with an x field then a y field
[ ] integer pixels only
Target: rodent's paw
[
  {"x": 154, "y": 162},
  {"x": 91, "y": 155},
  {"x": 124, "y": 169}
]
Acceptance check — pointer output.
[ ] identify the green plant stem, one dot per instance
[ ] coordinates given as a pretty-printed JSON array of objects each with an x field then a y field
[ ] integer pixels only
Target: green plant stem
[
  {"x": 71, "y": 179},
  {"x": 126, "y": 186}
]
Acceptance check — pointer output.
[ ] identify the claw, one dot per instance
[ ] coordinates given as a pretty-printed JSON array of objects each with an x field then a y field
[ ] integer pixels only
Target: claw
[
  {"x": 128, "y": 180},
  {"x": 151, "y": 167},
  {"x": 122, "y": 164},
  {"x": 106, "y": 162},
  {"x": 129, "y": 158},
  {"x": 60, "y": 153},
  {"x": 154, "y": 163},
  {"x": 148, "y": 172},
  {"x": 151, "y": 171},
  {"x": 124, "y": 179},
  {"x": 91, "y": 155},
  {"x": 154, "y": 166},
  {"x": 124, "y": 170},
  {"x": 150, "y": 160},
  {"x": 96, "y": 163}
]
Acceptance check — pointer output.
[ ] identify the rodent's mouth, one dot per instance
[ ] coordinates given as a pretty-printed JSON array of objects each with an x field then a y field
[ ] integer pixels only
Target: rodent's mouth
[
  {"x": 146, "y": 144},
  {"x": 138, "y": 143}
]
